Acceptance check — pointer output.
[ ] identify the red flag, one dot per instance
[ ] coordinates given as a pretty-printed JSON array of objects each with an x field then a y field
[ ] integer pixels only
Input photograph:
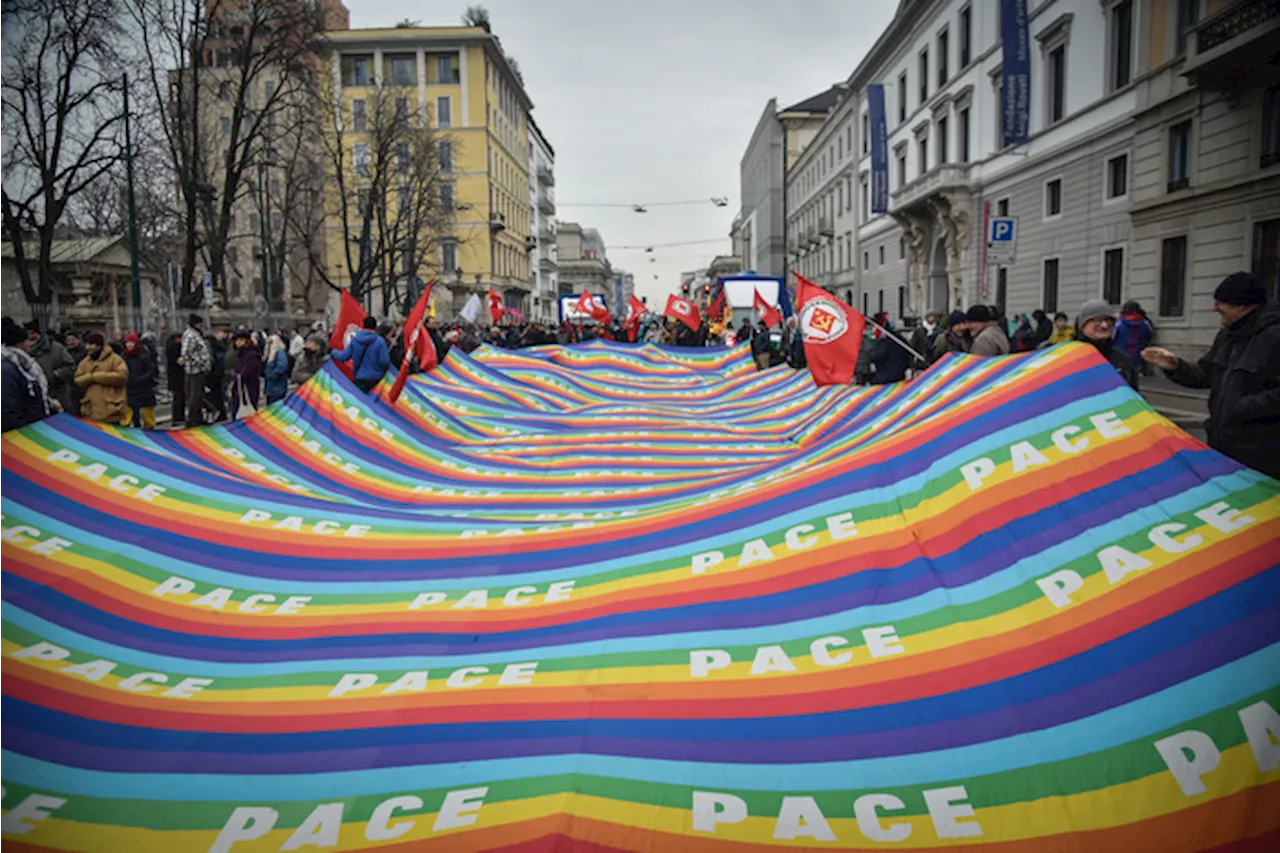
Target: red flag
[
  {"x": 413, "y": 335},
  {"x": 717, "y": 306},
  {"x": 832, "y": 333},
  {"x": 635, "y": 310},
  {"x": 588, "y": 305},
  {"x": 350, "y": 322},
  {"x": 495, "y": 306},
  {"x": 684, "y": 311},
  {"x": 767, "y": 312}
]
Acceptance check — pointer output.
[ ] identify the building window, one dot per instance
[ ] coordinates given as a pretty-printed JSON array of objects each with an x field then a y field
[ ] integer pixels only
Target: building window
[
  {"x": 447, "y": 68},
  {"x": 1056, "y": 84},
  {"x": 404, "y": 158},
  {"x": 1180, "y": 156},
  {"x": 449, "y": 256},
  {"x": 941, "y": 133},
  {"x": 902, "y": 248},
  {"x": 943, "y": 38},
  {"x": 866, "y": 260},
  {"x": 1053, "y": 198},
  {"x": 880, "y": 301},
  {"x": 224, "y": 124},
  {"x": 1121, "y": 36},
  {"x": 902, "y": 301},
  {"x": 1270, "y": 128},
  {"x": 359, "y": 116},
  {"x": 224, "y": 91},
  {"x": 401, "y": 69},
  {"x": 964, "y": 135},
  {"x": 902, "y": 167},
  {"x": 865, "y": 189},
  {"x": 444, "y": 154},
  {"x": 1266, "y": 256},
  {"x": 865, "y": 299},
  {"x": 997, "y": 84},
  {"x": 882, "y": 256},
  {"x": 866, "y": 133},
  {"x": 356, "y": 69},
  {"x": 1187, "y": 14},
  {"x": 360, "y": 157},
  {"x": 966, "y": 35},
  {"x": 1173, "y": 276},
  {"x": 902, "y": 97},
  {"x": 402, "y": 109},
  {"x": 1002, "y": 207},
  {"x": 924, "y": 76},
  {"x": 444, "y": 111},
  {"x": 848, "y": 193},
  {"x": 253, "y": 225},
  {"x": 1112, "y": 275},
  {"x": 1049, "y": 285},
  {"x": 922, "y": 144},
  {"x": 1118, "y": 176}
]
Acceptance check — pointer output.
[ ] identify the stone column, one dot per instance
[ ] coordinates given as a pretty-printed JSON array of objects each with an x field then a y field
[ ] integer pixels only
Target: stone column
[{"x": 917, "y": 234}]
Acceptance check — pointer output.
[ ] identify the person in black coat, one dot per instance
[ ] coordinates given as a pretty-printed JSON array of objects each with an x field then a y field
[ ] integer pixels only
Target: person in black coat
[
  {"x": 176, "y": 377},
  {"x": 24, "y": 395},
  {"x": 890, "y": 358},
  {"x": 1095, "y": 325},
  {"x": 140, "y": 390},
  {"x": 1241, "y": 371}
]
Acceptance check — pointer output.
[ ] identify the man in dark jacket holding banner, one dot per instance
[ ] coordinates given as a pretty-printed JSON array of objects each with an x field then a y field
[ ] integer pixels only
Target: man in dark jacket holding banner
[{"x": 368, "y": 355}]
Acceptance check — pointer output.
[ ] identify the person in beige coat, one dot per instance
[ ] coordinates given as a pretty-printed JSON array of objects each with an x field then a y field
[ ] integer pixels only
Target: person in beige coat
[{"x": 102, "y": 376}]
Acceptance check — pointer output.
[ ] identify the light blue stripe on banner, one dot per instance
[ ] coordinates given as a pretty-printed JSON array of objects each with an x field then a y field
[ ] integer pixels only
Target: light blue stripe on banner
[
  {"x": 1023, "y": 571},
  {"x": 1157, "y": 712}
]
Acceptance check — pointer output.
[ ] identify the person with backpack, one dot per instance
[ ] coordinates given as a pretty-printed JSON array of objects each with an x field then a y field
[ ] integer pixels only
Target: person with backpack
[{"x": 368, "y": 355}]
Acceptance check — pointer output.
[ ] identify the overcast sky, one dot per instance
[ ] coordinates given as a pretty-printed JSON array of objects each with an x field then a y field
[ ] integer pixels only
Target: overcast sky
[{"x": 656, "y": 101}]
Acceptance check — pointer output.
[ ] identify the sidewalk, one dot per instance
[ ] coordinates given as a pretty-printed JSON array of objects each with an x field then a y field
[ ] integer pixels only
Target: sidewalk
[{"x": 1186, "y": 407}]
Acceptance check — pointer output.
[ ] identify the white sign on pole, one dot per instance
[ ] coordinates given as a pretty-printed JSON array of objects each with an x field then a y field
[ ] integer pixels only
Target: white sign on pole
[{"x": 1002, "y": 240}]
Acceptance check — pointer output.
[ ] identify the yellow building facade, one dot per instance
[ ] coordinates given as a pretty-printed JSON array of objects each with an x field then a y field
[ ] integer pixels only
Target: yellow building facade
[{"x": 458, "y": 80}]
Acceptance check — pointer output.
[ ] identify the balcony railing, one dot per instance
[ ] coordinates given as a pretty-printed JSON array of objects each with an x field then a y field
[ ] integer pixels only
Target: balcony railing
[
  {"x": 546, "y": 177},
  {"x": 825, "y": 228},
  {"x": 1235, "y": 21},
  {"x": 945, "y": 176},
  {"x": 546, "y": 204},
  {"x": 547, "y": 234}
]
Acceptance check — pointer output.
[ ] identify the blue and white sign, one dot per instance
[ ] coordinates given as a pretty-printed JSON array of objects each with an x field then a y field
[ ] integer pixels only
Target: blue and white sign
[
  {"x": 1015, "y": 73},
  {"x": 1002, "y": 240},
  {"x": 207, "y": 281},
  {"x": 879, "y": 144}
]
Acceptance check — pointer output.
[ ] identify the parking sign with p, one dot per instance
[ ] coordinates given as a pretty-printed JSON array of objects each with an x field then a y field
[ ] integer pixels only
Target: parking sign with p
[{"x": 1002, "y": 240}]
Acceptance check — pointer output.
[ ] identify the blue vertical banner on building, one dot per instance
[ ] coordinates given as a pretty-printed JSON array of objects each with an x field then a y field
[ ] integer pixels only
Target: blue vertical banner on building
[
  {"x": 1015, "y": 73},
  {"x": 879, "y": 144}
]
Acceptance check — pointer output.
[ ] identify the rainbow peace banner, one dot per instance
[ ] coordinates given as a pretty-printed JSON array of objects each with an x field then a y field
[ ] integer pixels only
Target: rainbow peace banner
[{"x": 635, "y": 598}]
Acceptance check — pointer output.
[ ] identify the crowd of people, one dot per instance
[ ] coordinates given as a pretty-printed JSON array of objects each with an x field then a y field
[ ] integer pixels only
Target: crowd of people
[{"x": 226, "y": 374}]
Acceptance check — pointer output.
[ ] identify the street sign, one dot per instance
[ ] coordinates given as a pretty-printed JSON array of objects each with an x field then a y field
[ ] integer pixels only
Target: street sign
[
  {"x": 207, "y": 281},
  {"x": 1002, "y": 240}
]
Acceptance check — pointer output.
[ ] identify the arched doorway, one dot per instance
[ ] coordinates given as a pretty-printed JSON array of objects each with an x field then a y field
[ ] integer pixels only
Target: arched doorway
[{"x": 938, "y": 296}]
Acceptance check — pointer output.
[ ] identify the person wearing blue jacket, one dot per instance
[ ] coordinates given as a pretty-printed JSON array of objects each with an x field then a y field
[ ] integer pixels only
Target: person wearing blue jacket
[
  {"x": 368, "y": 355},
  {"x": 275, "y": 369}
]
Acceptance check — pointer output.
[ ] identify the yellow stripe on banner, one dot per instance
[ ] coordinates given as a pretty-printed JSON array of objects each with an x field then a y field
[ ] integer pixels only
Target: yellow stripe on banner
[{"x": 1119, "y": 805}]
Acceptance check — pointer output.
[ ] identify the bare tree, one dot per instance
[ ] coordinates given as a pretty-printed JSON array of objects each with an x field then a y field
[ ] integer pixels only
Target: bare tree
[
  {"x": 61, "y": 117},
  {"x": 228, "y": 72},
  {"x": 391, "y": 187},
  {"x": 477, "y": 16}
]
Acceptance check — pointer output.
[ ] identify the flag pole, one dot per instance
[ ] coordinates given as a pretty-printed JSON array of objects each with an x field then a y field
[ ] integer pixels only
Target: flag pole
[{"x": 899, "y": 341}]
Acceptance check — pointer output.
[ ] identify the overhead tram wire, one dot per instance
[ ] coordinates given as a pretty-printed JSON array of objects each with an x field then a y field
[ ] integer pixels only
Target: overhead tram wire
[{"x": 643, "y": 207}]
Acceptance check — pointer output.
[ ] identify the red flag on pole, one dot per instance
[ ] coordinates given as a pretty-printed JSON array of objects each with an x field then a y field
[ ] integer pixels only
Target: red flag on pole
[
  {"x": 350, "y": 322},
  {"x": 716, "y": 310},
  {"x": 635, "y": 310},
  {"x": 414, "y": 333},
  {"x": 495, "y": 306},
  {"x": 771, "y": 316},
  {"x": 832, "y": 333},
  {"x": 684, "y": 311}
]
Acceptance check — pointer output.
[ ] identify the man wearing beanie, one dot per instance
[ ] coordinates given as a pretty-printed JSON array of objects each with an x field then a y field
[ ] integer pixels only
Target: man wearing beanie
[
  {"x": 988, "y": 337},
  {"x": 1095, "y": 324},
  {"x": 1241, "y": 371},
  {"x": 102, "y": 376},
  {"x": 196, "y": 362}
]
